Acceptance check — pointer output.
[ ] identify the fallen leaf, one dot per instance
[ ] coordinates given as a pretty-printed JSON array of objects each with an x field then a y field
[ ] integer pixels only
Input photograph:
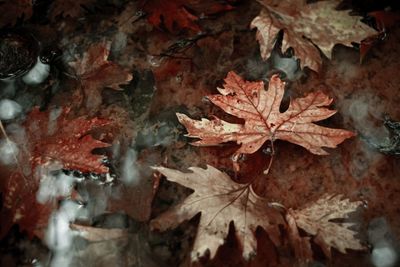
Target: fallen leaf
[
  {"x": 176, "y": 15},
  {"x": 50, "y": 138},
  {"x": 316, "y": 220},
  {"x": 220, "y": 202},
  {"x": 68, "y": 8},
  {"x": 56, "y": 138},
  {"x": 306, "y": 26},
  {"x": 14, "y": 10},
  {"x": 96, "y": 73},
  {"x": 263, "y": 120}
]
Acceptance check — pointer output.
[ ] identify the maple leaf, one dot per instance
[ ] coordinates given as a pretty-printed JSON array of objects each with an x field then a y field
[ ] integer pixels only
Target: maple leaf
[
  {"x": 263, "y": 120},
  {"x": 220, "y": 202},
  {"x": 306, "y": 25},
  {"x": 316, "y": 220},
  {"x": 51, "y": 137},
  {"x": 68, "y": 8},
  {"x": 67, "y": 141},
  {"x": 96, "y": 73},
  {"x": 13, "y": 10},
  {"x": 175, "y": 14}
]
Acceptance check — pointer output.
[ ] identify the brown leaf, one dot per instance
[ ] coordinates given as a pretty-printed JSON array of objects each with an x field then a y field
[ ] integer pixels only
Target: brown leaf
[
  {"x": 96, "y": 73},
  {"x": 13, "y": 10},
  {"x": 220, "y": 202},
  {"x": 68, "y": 8},
  {"x": 263, "y": 120},
  {"x": 316, "y": 220},
  {"x": 305, "y": 25}
]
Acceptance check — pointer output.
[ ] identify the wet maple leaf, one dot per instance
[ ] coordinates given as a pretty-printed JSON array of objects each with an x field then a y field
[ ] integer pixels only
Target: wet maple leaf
[
  {"x": 178, "y": 14},
  {"x": 55, "y": 137},
  {"x": 96, "y": 73},
  {"x": 13, "y": 10},
  {"x": 316, "y": 220},
  {"x": 68, "y": 8},
  {"x": 51, "y": 137},
  {"x": 306, "y": 25},
  {"x": 220, "y": 202},
  {"x": 263, "y": 120}
]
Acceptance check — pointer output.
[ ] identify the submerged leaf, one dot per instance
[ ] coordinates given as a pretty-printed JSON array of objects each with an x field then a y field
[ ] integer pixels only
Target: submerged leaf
[
  {"x": 316, "y": 220},
  {"x": 220, "y": 202},
  {"x": 306, "y": 25},
  {"x": 263, "y": 120}
]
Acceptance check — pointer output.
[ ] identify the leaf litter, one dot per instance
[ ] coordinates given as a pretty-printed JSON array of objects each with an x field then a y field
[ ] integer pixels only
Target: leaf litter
[{"x": 160, "y": 67}]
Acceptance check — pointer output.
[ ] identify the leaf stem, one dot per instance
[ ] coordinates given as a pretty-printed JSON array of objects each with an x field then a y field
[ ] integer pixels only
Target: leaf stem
[{"x": 271, "y": 158}]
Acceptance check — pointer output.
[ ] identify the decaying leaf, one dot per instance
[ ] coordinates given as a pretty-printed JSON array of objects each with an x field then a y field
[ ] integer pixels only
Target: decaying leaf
[
  {"x": 96, "y": 73},
  {"x": 316, "y": 220},
  {"x": 220, "y": 202},
  {"x": 50, "y": 138},
  {"x": 181, "y": 14},
  {"x": 68, "y": 8},
  {"x": 263, "y": 120},
  {"x": 306, "y": 25},
  {"x": 13, "y": 10}
]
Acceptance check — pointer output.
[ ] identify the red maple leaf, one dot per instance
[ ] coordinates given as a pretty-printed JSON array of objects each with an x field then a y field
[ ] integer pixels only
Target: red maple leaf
[
  {"x": 264, "y": 121},
  {"x": 51, "y": 138},
  {"x": 176, "y": 15}
]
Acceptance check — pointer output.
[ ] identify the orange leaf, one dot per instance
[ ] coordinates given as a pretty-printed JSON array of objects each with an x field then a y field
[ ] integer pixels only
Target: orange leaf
[{"x": 263, "y": 120}]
